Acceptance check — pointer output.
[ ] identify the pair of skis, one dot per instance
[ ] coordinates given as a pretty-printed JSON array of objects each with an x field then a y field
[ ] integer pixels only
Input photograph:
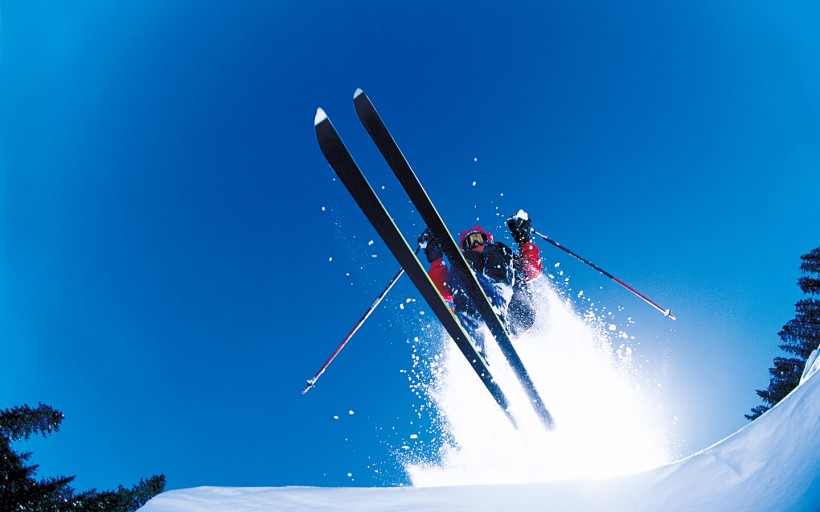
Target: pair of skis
[{"x": 351, "y": 176}]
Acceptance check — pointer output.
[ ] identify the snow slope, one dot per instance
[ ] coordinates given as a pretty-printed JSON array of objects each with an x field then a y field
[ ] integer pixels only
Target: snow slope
[{"x": 772, "y": 464}]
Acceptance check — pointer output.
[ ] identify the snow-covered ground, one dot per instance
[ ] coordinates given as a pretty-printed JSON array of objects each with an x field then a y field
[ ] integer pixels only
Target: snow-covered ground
[{"x": 772, "y": 464}]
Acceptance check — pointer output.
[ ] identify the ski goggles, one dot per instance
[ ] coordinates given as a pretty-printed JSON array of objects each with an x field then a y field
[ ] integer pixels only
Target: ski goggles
[{"x": 473, "y": 239}]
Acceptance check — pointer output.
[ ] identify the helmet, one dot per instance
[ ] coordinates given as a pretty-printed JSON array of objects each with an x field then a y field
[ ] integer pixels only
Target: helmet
[{"x": 475, "y": 229}]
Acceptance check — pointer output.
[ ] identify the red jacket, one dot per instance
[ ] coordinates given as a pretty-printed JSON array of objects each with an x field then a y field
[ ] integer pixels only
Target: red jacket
[
  {"x": 439, "y": 274},
  {"x": 529, "y": 261}
]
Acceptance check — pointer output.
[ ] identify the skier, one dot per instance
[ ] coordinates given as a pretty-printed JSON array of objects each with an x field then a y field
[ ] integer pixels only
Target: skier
[{"x": 503, "y": 275}]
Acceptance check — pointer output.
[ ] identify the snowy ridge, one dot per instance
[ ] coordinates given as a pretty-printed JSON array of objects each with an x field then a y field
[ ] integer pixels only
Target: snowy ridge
[
  {"x": 812, "y": 365},
  {"x": 772, "y": 464}
]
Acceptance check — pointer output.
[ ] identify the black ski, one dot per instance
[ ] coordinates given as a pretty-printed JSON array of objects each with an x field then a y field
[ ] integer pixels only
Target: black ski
[
  {"x": 401, "y": 168},
  {"x": 351, "y": 176}
]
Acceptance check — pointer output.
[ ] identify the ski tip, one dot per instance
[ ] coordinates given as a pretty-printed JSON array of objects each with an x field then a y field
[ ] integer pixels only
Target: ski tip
[
  {"x": 320, "y": 116},
  {"x": 358, "y": 93}
]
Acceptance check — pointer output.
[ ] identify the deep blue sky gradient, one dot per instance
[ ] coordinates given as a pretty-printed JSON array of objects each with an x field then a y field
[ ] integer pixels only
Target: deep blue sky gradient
[{"x": 167, "y": 221}]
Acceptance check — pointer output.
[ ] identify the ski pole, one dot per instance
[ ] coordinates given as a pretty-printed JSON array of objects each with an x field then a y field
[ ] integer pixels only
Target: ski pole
[
  {"x": 666, "y": 312},
  {"x": 382, "y": 295}
]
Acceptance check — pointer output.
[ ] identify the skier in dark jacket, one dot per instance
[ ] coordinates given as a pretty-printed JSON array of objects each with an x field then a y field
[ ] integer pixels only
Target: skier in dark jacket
[{"x": 503, "y": 275}]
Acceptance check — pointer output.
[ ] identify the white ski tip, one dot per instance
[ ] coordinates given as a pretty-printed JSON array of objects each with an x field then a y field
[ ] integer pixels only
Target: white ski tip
[
  {"x": 320, "y": 116},
  {"x": 358, "y": 93}
]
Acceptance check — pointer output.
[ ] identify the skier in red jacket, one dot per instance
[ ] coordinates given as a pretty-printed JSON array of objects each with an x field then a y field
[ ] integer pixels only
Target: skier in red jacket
[{"x": 503, "y": 275}]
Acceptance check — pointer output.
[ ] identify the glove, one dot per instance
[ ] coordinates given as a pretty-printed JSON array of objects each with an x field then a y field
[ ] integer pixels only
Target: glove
[
  {"x": 432, "y": 250},
  {"x": 521, "y": 227}
]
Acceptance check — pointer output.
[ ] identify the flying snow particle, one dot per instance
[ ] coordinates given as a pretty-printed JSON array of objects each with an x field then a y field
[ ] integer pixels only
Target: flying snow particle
[
  {"x": 475, "y": 159},
  {"x": 474, "y": 183},
  {"x": 416, "y": 436},
  {"x": 350, "y": 412},
  {"x": 370, "y": 242},
  {"x": 323, "y": 208},
  {"x": 335, "y": 417},
  {"x": 612, "y": 327},
  {"x": 330, "y": 259}
]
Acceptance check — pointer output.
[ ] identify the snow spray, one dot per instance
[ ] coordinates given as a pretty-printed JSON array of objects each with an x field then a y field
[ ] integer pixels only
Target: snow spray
[{"x": 604, "y": 423}]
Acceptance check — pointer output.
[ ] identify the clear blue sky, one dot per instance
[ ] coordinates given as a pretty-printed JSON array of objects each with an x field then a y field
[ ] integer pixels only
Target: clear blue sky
[{"x": 165, "y": 273}]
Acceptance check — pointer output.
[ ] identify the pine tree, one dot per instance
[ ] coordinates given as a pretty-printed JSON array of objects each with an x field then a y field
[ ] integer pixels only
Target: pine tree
[
  {"x": 800, "y": 336},
  {"x": 20, "y": 490}
]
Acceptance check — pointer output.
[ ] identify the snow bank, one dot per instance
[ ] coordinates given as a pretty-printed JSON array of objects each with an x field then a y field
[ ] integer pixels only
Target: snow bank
[
  {"x": 812, "y": 365},
  {"x": 771, "y": 465}
]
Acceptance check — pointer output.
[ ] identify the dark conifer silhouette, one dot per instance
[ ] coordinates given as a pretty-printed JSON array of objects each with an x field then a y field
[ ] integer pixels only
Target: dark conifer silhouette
[
  {"x": 800, "y": 336},
  {"x": 21, "y": 490}
]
